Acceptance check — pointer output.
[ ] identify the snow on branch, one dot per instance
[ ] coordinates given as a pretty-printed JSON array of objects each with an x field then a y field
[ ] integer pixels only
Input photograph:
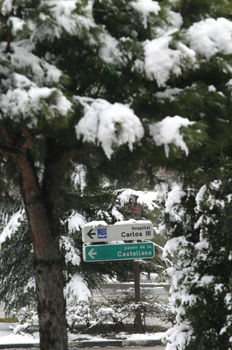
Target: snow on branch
[
  {"x": 65, "y": 19},
  {"x": 167, "y": 132},
  {"x": 210, "y": 36},
  {"x": 72, "y": 254},
  {"x": 145, "y": 8},
  {"x": 12, "y": 226},
  {"x": 146, "y": 198},
  {"x": 26, "y": 99},
  {"x": 79, "y": 177},
  {"x": 109, "y": 50},
  {"x": 75, "y": 221},
  {"x": 7, "y": 7},
  {"x": 108, "y": 124},
  {"x": 76, "y": 290},
  {"x": 161, "y": 60},
  {"x": 178, "y": 337},
  {"x": 41, "y": 72},
  {"x": 174, "y": 197}
]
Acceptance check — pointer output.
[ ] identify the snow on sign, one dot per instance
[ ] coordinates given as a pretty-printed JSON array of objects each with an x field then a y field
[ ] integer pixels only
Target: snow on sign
[
  {"x": 122, "y": 231},
  {"x": 126, "y": 251}
]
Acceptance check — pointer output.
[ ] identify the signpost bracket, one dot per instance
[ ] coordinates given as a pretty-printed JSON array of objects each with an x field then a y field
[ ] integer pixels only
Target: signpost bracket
[{"x": 139, "y": 327}]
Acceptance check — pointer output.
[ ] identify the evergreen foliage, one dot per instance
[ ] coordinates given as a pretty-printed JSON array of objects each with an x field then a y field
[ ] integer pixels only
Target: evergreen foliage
[{"x": 201, "y": 279}]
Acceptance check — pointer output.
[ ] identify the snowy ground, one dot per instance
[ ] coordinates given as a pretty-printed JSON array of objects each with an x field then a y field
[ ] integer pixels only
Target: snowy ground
[
  {"x": 120, "y": 336},
  {"x": 8, "y": 337}
]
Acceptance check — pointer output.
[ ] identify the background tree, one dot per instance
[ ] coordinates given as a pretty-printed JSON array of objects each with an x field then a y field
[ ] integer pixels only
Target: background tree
[
  {"x": 201, "y": 279},
  {"x": 200, "y": 243}
]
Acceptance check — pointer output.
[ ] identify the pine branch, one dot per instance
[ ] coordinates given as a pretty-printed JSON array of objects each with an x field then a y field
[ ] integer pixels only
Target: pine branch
[
  {"x": 8, "y": 140},
  {"x": 9, "y": 151},
  {"x": 27, "y": 141},
  {"x": 9, "y": 36},
  {"x": 186, "y": 7},
  {"x": 10, "y": 145}
]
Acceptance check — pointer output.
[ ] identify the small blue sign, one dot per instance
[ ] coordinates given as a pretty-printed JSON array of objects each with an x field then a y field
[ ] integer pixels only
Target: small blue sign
[{"x": 101, "y": 233}]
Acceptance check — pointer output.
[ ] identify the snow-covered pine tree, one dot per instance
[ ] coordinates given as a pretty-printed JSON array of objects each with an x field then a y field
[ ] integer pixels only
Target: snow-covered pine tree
[
  {"x": 104, "y": 83},
  {"x": 201, "y": 278}
]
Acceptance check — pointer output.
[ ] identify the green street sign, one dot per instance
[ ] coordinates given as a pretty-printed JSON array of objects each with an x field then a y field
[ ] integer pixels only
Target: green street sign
[{"x": 127, "y": 251}]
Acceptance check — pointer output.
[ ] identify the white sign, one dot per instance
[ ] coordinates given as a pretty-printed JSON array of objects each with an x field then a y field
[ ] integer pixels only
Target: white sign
[{"x": 127, "y": 231}]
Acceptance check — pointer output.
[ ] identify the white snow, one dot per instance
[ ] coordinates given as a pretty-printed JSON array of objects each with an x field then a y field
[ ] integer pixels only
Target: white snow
[
  {"x": 199, "y": 196},
  {"x": 103, "y": 214},
  {"x": 167, "y": 132},
  {"x": 172, "y": 245},
  {"x": 72, "y": 254},
  {"x": 109, "y": 50},
  {"x": 216, "y": 184},
  {"x": 199, "y": 222},
  {"x": 42, "y": 72},
  {"x": 176, "y": 19},
  {"x": 19, "y": 339},
  {"x": 145, "y": 7},
  {"x": 76, "y": 290},
  {"x": 210, "y": 199},
  {"x": 64, "y": 19},
  {"x": 30, "y": 285},
  {"x": 204, "y": 280},
  {"x": 12, "y": 338},
  {"x": 174, "y": 196},
  {"x": 108, "y": 124},
  {"x": 121, "y": 335},
  {"x": 132, "y": 221},
  {"x": 146, "y": 198},
  {"x": 95, "y": 223},
  {"x": 12, "y": 225},
  {"x": 169, "y": 93},
  {"x": 179, "y": 335},
  {"x": 161, "y": 61},
  {"x": 79, "y": 176},
  {"x": 7, "y": 7},
  {"x": 27, "y": 99},
  {"x": 16, "y": 23},
  {"x": 146, "y": 336},
  {"x": 75, "y": 221},
  {"x": 210, "y": 36},
  {"x": 118, "y": 216}
]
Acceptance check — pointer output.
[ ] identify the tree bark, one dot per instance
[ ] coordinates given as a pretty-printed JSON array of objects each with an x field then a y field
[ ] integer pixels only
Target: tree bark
[{"x": 41, "y": 204}]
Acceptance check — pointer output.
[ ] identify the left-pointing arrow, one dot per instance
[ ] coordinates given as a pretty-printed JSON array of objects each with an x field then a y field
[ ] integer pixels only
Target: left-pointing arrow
[
  {"x": 91, "y": 234},
  {"x": 91, "y": 253}
]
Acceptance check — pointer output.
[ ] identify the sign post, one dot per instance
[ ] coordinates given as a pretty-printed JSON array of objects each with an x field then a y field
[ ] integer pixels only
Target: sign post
[
  {"x": 126, "y": 231},
  {"x": 139, "y": 327}
]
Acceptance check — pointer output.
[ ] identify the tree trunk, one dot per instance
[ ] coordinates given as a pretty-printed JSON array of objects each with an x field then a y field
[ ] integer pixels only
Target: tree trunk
[
  {"x": 51, "y": 305},
  {"x": 42, "y": 203}
]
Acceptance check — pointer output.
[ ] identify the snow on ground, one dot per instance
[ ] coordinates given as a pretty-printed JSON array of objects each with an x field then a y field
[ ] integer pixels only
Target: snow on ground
[
  {"x": 18, "y": 339},
  {"x": 120, "y": 336},
  {"x": 8, "y": 337}
]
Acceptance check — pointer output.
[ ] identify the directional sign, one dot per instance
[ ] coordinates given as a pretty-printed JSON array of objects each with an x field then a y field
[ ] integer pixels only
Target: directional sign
[
  {"x": 109, "y": 252},
  {"x": 138, "y": 231}
]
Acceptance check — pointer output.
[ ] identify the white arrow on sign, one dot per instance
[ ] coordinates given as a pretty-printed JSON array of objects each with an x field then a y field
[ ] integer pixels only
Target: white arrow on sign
[{"x": 91, "y": 253}]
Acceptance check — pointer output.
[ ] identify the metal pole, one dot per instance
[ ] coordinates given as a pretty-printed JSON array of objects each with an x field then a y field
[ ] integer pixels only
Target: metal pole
[{"x": 139, "y": 327}]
